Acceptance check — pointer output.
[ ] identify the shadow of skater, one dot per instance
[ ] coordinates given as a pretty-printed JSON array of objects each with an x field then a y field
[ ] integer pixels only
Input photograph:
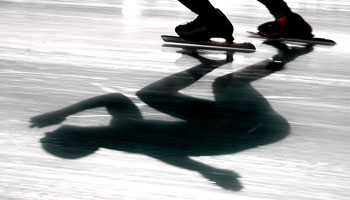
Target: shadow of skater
[{"x": 238, "y": 119}]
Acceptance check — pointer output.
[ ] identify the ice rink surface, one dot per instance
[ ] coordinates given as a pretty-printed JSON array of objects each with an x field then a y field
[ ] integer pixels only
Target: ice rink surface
[{"x": 197, "y": 136}]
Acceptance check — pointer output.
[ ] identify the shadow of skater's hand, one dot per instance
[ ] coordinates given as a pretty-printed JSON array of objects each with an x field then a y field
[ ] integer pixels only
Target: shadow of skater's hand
[
  {"x": 287, "y": 54},
  {"x": 226, "y": 179},
  {"x": 47, "y": 119}
]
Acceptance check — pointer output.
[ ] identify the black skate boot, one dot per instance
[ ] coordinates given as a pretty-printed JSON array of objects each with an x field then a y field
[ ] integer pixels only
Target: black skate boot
[
  {"x": 203, "y": 28},
  {"x": 290, "y": 26}
]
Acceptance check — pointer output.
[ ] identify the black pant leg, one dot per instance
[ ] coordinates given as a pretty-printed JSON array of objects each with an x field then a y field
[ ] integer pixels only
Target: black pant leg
[
  {"x": 200, "y": 7},
  {"x": 278, "y": 8}
]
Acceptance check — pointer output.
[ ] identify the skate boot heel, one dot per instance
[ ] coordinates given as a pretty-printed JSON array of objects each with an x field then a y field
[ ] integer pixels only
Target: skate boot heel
[{"x": 229, "y": 39}]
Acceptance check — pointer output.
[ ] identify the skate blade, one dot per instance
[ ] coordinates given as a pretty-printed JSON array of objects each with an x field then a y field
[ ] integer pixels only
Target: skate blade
[
  {"x": 299, "y": 41},
  {"x": 175, "y": 41}
]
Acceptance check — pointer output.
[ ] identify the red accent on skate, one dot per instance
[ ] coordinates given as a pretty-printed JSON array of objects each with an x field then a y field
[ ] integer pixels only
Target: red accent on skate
[{"x": 282, "y": 21}]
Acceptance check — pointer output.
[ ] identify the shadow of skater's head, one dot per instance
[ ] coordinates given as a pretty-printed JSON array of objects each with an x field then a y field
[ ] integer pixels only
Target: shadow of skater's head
[{"x": 67, "y": 143}]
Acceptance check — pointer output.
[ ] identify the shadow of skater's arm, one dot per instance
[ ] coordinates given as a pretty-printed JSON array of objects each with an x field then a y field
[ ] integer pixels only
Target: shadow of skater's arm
[
  {"x": 226, "y": 179},
  {"x": 116, "y": 104}
]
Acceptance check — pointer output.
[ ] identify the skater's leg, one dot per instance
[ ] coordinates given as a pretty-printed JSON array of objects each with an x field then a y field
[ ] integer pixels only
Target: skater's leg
[
  {"x": 278, "y": 8},
  {"x": 201, "y": 7},
  {"x": 287, "y": 23}
]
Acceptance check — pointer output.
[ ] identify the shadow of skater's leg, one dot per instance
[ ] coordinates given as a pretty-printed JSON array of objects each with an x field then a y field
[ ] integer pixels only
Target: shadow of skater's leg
[
  {"x": 225, "y": 179},
  {"x": 183, "y": 79},
  {"x": 164, "y": 95},
  {"x": 264, "y": 68}
]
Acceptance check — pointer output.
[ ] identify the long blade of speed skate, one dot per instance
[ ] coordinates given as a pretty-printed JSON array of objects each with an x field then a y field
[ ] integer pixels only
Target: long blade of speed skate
[
  {"x": 210, "y": 45},
  {"x": 315, "y": 40}
]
